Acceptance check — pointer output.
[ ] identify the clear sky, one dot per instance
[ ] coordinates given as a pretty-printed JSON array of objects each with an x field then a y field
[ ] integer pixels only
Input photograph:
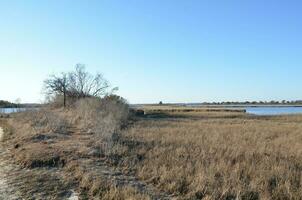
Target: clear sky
[{"x": 169, "y": 50}]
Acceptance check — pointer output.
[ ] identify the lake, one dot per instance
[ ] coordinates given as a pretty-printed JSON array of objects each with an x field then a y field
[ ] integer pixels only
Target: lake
[
  {"x": 11, "y": 110},
  {"x": 274, "y": 110},
  {"x": 260, "y": 110}
]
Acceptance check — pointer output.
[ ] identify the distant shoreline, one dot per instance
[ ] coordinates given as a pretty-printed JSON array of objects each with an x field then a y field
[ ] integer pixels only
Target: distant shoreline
[
  {"x": 219, "y": 105},
  {"x": 253, "y": 105}
]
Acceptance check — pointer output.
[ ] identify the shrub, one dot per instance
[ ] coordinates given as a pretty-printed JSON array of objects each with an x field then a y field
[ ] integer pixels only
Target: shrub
[
  {"x": 56, "y": 101},
  {"x": 103, "y": 117},
  {"x": 45, "y": 120}
]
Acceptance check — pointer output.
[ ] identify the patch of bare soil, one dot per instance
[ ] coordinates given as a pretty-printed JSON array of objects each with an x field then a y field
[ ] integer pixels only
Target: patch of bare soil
[{"x": 38, "y": 183}]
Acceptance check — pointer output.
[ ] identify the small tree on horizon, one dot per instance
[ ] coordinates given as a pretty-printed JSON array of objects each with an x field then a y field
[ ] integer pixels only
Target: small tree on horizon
[{"x": 78, "y": 84}]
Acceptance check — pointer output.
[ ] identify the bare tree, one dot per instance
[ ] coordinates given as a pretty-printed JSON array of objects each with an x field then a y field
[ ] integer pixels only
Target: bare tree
[
  {"x": 82, "y": 84},
  {"x": 57, "y": 85},
  {"x": 78, "y": 84}
]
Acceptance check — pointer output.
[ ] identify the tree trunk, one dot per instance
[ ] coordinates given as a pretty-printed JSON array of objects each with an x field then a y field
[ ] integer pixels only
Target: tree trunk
[{"x": 64, "y": 97}]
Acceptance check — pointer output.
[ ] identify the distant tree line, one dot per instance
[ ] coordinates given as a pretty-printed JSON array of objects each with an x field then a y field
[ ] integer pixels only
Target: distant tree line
[
  {"x": 17, "y": 104},
  {"x": 283, "y": 102},
  {"x": 7, "y": 104}
]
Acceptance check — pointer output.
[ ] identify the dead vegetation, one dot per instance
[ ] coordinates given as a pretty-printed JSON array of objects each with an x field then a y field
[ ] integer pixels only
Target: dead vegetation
[
  {"x": 221, "y": 156},
  {"x": 182, "y": 109},
  {"x": 164, "y": 154},
  {"x": 67, "y": 138}
]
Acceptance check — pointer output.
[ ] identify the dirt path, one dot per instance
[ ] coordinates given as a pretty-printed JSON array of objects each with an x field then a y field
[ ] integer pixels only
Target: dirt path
[
  {"x": 48, "y": 183},
  {"x": 19, "y": 183},
  {"x": 6, "y": 191},
  {"x": 6, "y": 168}
]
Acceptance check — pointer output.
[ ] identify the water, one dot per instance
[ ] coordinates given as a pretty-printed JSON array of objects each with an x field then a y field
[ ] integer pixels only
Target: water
[
  {"x": 260, "y": 110},
  {"x": 274, "y": 110},
  {"x": 11, "y": 110}
]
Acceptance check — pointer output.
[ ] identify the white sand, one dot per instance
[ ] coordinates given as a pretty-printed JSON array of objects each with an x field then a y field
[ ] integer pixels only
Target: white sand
[
  {"x": 1, "y": 134},
  {"x": 74, "y": 196}
]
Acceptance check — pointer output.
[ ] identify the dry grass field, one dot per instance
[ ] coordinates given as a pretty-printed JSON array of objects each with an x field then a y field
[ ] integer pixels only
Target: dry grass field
[
  {"x": 214, "y": 155},
  {"x": 170, "y": 153}
]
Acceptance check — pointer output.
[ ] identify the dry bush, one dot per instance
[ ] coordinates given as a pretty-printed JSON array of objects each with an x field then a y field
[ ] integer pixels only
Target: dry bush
[
  {"x": 5, "y": 130},
  {"x": 103, "y": 117},
  {"x": 44, "y": 120},
  {"x": 55, "y": 101},
  {"x": 33, "y": 133}
]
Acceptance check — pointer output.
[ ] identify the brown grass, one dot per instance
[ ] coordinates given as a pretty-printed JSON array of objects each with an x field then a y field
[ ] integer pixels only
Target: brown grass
[
  {"x": 198, "y": 154},
  {"x": 184, "y": 109},
  {"x": 221, "y": 156}
]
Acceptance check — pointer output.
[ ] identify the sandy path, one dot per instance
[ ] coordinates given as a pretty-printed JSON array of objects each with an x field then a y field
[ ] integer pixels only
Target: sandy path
[
  {"x": 1, "y": 134},
  {"x": 6, "y": 190}
]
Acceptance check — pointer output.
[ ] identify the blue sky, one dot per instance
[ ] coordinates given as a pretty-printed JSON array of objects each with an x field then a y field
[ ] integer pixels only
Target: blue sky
[{"x": 168, "y": 50}]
